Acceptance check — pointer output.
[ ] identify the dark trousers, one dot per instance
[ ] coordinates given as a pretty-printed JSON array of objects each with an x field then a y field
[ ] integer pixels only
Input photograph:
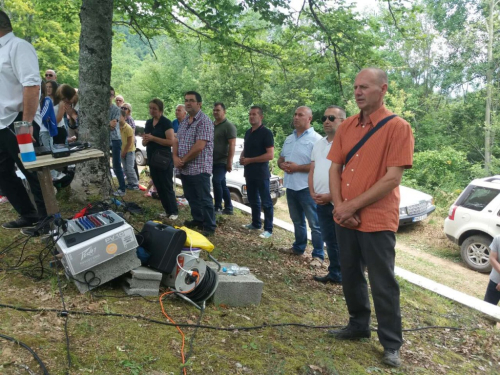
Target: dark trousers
[
  {"x": 197, "y": 192},
  {"x": 165, "y": 188},
  {"x": 258, "y": 194},
  {"x": 327, "y": 227},
  {"x": 492, "y": 294},
  {"x": 374, "y": 250},
  {"x": 116, "y": 149},
  {"x": 11, "y": 185},
  {"x": 221, "y": 192}
]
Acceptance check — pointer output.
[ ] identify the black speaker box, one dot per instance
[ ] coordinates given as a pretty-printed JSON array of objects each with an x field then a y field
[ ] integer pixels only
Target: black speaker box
[{"x": 163, "y": 243}]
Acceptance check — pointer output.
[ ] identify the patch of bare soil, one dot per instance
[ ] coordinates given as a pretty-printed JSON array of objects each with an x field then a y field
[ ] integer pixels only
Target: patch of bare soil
[{"x": 425, "y": 250}]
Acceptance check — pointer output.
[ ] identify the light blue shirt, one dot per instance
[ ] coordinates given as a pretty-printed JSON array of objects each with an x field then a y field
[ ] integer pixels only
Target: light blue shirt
[{"x": 298, "y": 150}]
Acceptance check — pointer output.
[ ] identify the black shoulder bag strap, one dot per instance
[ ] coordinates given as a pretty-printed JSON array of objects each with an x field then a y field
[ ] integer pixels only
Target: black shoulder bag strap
[{"x": 367, "y": 137}]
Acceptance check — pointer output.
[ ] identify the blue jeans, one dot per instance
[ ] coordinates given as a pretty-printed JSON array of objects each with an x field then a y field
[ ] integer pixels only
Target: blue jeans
[
  {"x": 327, "y": 226},
  {"x": 116, "y": 149},
  {"x": 197, "y": 192},
  {"x": 128, "y": 166},
  {"x": 220, "y": 189},
  {"x": 257, "y": 192},
  {"x": 302, "y": 206}
]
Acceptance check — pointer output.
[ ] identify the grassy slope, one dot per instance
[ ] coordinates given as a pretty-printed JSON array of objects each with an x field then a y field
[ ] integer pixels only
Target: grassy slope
[{"x": 106, "y": 345}]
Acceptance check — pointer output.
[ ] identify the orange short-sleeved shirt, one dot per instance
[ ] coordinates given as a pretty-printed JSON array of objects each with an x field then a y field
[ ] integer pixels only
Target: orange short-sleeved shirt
[{"x": 391, "y": 146}]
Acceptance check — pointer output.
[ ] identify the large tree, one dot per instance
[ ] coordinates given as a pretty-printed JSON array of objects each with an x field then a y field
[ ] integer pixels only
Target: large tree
[{"x": 94, "y": 92}]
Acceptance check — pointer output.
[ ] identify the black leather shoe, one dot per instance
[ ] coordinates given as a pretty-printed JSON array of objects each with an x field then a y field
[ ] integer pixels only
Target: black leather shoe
[
  {"x": 208, "y": 233},
  {"x": 326, "y": 279},
  {"x": 193, "y": 224},
  {"x": 20, "y": 223},
  {"x": 348, "y": 333}
]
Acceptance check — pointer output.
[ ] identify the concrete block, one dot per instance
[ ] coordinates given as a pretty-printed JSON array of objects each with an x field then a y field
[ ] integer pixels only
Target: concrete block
[
  {"x": 145, "y": 273},
  {"x": 242, "y": 290},
  {"x": 107, "y": 271},
  {"x": 144, "y": 284},
  {"x": 141, "y": 291},
  {"x": 168, "y": 280}
]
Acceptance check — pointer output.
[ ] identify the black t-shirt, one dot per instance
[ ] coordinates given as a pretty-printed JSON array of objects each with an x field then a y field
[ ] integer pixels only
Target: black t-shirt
[
  {"x": 157, "y": 131},
  {"x": 256, "y": 143}
]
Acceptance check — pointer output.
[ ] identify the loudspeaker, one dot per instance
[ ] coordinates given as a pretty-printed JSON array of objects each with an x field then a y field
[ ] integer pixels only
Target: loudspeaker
[{"x": 163, "y": 243}]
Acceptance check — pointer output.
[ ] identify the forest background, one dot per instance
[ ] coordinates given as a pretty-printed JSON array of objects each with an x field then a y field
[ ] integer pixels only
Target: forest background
[{"x": 441, "y": 57}]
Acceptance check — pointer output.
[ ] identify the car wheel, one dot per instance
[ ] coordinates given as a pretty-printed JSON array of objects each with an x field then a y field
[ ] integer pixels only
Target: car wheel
[
  {"x": 139, "y": 158},
  {"x": 475, "y": 252},
  {"x": 235, "y": 196}
]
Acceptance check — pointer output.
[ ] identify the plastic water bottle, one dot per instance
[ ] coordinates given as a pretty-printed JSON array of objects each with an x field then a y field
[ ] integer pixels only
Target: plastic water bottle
[{"x": 237, "y": 270}]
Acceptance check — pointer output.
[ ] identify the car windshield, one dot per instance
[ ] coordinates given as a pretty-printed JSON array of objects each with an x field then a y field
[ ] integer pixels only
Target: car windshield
[{"x": 479, "y": 198}]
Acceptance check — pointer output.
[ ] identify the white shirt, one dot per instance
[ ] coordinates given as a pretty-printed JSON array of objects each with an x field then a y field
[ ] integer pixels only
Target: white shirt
[
  {"x": 321, "y": 166},
  {"x": 61, "y": 123},
  {"x": 18, "y": 69}
]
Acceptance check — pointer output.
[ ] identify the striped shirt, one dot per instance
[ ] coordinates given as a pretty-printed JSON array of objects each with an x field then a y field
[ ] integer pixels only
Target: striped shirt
[
  {"x": 391, "y": 146},
  {"x": 201, "y": 128}
]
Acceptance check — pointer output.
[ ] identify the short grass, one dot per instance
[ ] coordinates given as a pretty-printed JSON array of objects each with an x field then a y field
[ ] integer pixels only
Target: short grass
[{"x": 117, "y": 345}]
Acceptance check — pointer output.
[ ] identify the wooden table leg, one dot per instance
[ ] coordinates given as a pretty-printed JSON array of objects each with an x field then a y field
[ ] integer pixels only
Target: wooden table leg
[{"x": 47, "y": 187}]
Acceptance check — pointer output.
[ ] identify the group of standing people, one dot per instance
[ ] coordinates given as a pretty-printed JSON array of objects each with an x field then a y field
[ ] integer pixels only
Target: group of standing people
[{"x": 345, "y": 184}]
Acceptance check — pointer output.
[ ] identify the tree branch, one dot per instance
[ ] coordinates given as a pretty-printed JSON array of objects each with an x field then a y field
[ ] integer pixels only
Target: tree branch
[
  {"x": 394, "y": 19},
  {"x": 327, "y": 32}
]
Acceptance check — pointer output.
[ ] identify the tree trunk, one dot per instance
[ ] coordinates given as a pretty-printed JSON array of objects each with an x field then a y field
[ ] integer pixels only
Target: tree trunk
[
  {"x": 489, "y": 84},
  {"x": 93, "y": 179}
]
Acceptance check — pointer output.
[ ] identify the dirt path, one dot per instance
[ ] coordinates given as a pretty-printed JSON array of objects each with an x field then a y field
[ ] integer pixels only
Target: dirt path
[{"x": 444, "y": 271}]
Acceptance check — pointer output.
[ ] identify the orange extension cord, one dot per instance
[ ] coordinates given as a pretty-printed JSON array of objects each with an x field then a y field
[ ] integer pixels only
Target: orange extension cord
[{"x": 169, "y": 318}]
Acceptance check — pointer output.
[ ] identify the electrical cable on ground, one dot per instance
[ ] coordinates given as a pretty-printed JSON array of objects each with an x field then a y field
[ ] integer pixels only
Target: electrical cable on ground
[
  {"x": 197, "y": 275},
  {"x": 37, "y": 358},
  {"x": 216, "y": 328}
]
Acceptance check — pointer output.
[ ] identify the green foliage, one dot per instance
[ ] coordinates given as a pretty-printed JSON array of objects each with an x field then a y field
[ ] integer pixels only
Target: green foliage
[
  {"x": 53, "y": 28},
  {"x": 446, "y": 169}
]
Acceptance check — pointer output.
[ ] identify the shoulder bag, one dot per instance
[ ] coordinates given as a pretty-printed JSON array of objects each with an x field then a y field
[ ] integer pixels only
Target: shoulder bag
[{"x": 367, "y": 137}]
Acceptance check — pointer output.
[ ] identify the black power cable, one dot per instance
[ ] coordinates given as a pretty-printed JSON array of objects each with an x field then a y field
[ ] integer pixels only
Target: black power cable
[
  {"x": 205, "y": 288},
  {"x": 247, "y": 328},
  {"x": 37, "y": 358}
]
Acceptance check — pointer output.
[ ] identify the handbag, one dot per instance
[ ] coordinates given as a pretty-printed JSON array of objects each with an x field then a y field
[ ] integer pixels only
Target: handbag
[{"x": 160, "y": 160}]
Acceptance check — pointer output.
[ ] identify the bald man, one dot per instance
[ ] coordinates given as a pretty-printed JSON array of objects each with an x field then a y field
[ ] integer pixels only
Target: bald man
[
  {"x": 364, "y": 183},
  {"x": 295, "y": 161},
  {"x": 50, "y": 75}
]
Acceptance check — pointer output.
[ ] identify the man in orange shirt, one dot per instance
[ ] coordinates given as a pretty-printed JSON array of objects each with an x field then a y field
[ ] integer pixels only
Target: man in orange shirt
[{"x": 364, "y": 184}]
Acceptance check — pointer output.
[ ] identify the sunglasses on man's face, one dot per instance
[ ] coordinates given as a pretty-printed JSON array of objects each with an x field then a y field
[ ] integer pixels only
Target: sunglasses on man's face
[
  {"x": 49, "y": 75},
  {"x": 331, "y": 118}
]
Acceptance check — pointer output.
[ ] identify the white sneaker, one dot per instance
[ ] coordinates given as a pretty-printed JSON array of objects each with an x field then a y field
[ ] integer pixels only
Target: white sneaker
[
  {"x": 119, "y": 193},
  {"x": 3, "y": 200},
  {"x": 265, "y": 234},
  {"x": 173, "y": 217}
]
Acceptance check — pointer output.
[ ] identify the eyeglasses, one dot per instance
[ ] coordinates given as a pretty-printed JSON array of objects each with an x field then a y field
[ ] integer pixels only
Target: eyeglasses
[
  {"x": 331, "y": 118},
  {"x": 125, "y": 108},
  {"x": 49, "y": 75}
]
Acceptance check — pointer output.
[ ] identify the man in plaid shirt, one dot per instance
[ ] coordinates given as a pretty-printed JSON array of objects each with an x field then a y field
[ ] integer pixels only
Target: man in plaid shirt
[{"x": 193, "y": 158}]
